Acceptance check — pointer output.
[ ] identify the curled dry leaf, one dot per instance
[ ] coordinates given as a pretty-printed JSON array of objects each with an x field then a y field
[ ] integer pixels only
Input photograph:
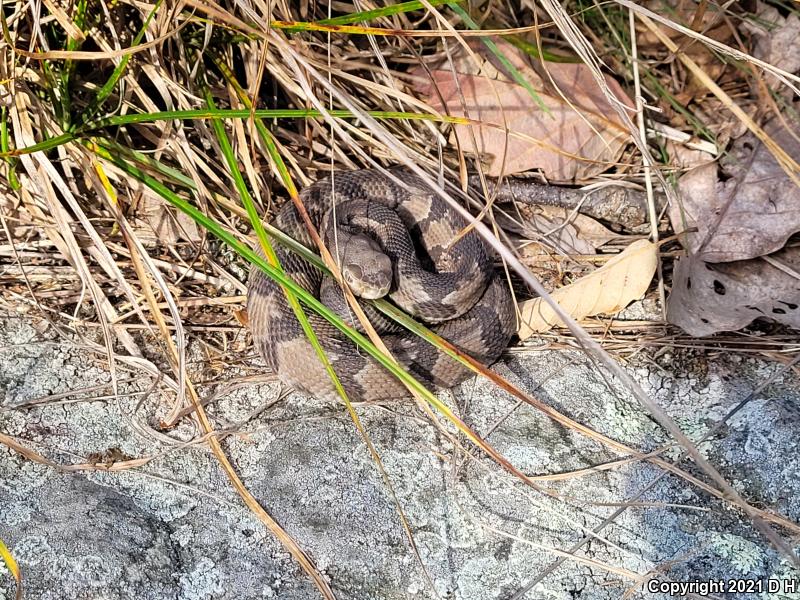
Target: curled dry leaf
[
  {"x": 611, "y": 288},
  {"x": 751, "y": 214},
  {"x": 563, "y": 229},
  {"x": 708, "y": 298},
  {"x": 579, "y": 134}
]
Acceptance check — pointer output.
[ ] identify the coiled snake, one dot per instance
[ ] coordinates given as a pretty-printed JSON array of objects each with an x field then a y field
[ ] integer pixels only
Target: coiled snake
[{"x": 387, "y": 240}]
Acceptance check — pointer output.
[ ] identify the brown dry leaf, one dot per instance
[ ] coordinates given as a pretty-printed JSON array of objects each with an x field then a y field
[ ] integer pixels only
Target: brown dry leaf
[
  {"x": 611, "y": 288},
  {"x": 156, "y": 221},
  {"x": 749, "y": 215},
  {"x": 565, "y": 230},
  {"x": 708, "y": 298},
  {"x": 777, "y": 40},
  {"x": 580, "y": 137}
]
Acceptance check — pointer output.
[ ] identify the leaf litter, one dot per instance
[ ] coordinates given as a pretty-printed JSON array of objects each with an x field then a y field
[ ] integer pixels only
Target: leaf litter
[
  {"x": 711, "y": 297},
  {"x": 750, "y": 213},
  {"x": 729, "y": 226}
]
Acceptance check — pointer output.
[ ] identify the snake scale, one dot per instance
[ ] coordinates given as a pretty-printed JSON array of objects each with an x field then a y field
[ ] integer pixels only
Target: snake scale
[{"x": 398, "y": 240}]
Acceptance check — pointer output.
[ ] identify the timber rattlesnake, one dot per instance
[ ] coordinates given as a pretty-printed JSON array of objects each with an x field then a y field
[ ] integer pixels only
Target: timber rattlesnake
[{"x": 402, "y": 236}]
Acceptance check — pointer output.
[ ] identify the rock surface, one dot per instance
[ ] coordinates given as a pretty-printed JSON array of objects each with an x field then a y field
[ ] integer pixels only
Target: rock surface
[{"x": 174, "y": 528}]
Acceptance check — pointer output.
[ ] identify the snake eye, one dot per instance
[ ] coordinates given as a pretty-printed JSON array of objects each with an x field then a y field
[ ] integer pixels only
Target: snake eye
[{"x": 354, "y": 271}]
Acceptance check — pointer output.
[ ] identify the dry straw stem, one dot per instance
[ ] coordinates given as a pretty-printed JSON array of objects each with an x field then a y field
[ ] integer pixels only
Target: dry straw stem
[
  {"x": 786, "y": 162},
  {"x": 632, "y": 575},
  {"x": 372, "y": 334},
  {"x": 213, "y": 441},
  {"x": 32, "y": 455},
  {"x": 648, "y": 166},
  {"x": 139, "y": 260},
  {"x": 9, "y": 561},
  {"x": 785, "y": 77},
  {"x": 100, "y": 54},
  {"x": 66, "y": 23}
]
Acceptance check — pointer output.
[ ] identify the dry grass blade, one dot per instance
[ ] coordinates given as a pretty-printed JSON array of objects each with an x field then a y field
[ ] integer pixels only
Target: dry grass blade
[
  {"x": 788, "y": 163},
  {"x": 633, "y": 576},
  {"x": 32, "y": 455},
  {"x": 642, "y": 11},
  {"x": 648, "y": 165},
  {"x": 99, "y": 55}
]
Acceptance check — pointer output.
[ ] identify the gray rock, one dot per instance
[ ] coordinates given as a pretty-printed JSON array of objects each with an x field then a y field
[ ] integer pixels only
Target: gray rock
[{"x": 174, "y": 528}]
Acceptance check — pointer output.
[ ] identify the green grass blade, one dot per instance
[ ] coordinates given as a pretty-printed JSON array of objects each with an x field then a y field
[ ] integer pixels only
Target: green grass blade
[
  {"x": 280, "y": 164},
  {"x": 12, "y": 163},
  {"x": 263, "y": 132},
  {"x": 105, "y": 91},
  {"x": 533, "y": 50},
  {"x": 311, "y": 302},
  {"x": 69, "y": 66},
  {"x": 266, "y": 246},
  {"x": 148, "y": 161},
  {"x": 385, "y": 11},
  {"x": 297, "y": 26},
  {"x": 214, "y": 114},
  {"x": 265, "y": 113},
  {"x": 44, "y": 146},
  {"x": 492, "y": 47}
]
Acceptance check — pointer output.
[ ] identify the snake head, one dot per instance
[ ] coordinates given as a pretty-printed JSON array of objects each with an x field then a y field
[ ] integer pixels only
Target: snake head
[{"x": 365, "y": 268}]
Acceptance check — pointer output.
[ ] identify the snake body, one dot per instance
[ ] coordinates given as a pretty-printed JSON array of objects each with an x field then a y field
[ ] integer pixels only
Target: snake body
[{"x": 399, "y": 240}]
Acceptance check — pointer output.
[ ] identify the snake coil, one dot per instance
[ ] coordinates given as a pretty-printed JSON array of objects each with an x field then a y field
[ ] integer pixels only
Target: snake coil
[{"x": 398, "y": 240}]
